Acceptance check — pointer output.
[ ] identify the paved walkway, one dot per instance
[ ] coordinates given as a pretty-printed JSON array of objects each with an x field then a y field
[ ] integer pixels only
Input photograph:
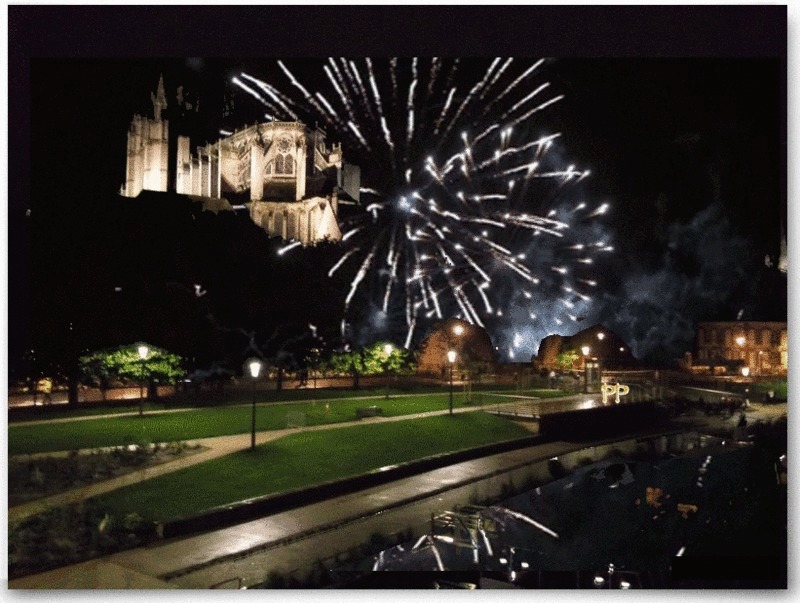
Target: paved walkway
[
  {"x": 217, "y": 447},
  {"x": 289, "y": 539},
  {"x": 250, "y": 545},
  {"x": 501, "y": 394},
  {"x": 223, "y": 445}
]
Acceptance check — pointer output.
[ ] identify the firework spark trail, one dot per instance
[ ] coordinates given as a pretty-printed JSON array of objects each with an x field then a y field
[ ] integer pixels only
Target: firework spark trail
[
  {"x": 436, "y": 243},
  {"x": 410, "y": 334},
  {"x": 410, "y": 107},
  {"x": 376, "y": 95},
  {"x": 299, "y": 86},
  {"x": 525, "y": 100},
  {"x": 436, "y": 65},
  {"x": 289, "y": 247},
  {"x": 496, "y": 77},
  {"x": 342, "y": 260},
  {"x": 357, "y": 132},
  {"x": 530, "y": 113},
  {"x": 392, "y": 260},
  {"x": 247, "y": 89},
  {"x": 393, "y": 74},
  {"x": 471, "y": 308},
  {"x": 435, "y": 299},
  {"x": 487, "y": 304},
  {"x": 471, "y": 94},
  {"x": 273, "y": 94},
  {"x": 527, "y": 519},
  {"x": 436, "y": 554},
  {"x": 328, "y": 107},
  {"x": 521, "y": 271},
  {"x": 511, "y": 86},
  {"x": 362, "y": 272},
  {"x": 475, "y": 266},
  {"x": 444, "y": 111},
  {"x": 333, "y": 80},
  {"x": 362, "y": 91}
]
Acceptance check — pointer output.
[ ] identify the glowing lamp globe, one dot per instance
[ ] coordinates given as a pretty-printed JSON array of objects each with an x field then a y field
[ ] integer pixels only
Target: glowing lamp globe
[
  {"x": 458, "y": 329},
  {"x": 388, "y": 349},
  {"x": 586, "y": 349},
  {"x": 143, "y": 351},
  {"x": 745, "y": 371},
  {"x": 451, "y": 356},
  {"x": 255, "y": 368}
]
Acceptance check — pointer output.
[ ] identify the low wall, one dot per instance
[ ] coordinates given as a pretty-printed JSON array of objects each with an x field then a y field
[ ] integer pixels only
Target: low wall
[
  {"x": 602, "y": 421},
  {"x": 538, "y": 470},
  {"x": 254, "y": 508}
]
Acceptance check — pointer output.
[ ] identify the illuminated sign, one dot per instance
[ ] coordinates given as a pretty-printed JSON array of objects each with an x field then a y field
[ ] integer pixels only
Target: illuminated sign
[{"x": 614, "y": 389}]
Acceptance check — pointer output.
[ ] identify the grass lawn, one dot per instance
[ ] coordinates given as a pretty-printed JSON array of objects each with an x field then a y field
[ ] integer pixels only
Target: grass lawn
[
  {"x": 243, "y": 396},
  {"x": 210, "y": 422},
  {"x": 778, "y": 386},
  {"x": 304, "y": 459}
]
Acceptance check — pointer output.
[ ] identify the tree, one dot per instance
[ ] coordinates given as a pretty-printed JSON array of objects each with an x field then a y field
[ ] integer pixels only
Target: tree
[
  {"x": 376, "y": 361},
  {"x": 566, "y": 359},
  {"x": 124, "y": 363},
  {"x": 371, "y": 360}
]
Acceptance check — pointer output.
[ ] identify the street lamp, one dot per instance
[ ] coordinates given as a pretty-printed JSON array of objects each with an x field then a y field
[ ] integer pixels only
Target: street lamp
[
  {"x": 388, "y": 349},
  {"x": 585, "y": 349},
  {"x": 451, "y": 358},
  {"x": 745, "y": 371},
  {"x": 458, "y": 330},
  {"x": 143, "y": 351},
  {"x": 255, "y": 369}
]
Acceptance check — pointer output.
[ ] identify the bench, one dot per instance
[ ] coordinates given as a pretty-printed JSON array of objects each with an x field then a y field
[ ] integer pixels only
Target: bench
[{"x": 370, "y": 411}]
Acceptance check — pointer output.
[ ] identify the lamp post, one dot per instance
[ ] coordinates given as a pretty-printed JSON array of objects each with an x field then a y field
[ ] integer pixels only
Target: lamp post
[
  {"x": 255, "y": 369},
  {"x": 451, "y": 358},
  {"x": 143, "y": 351},
  {"x": 388, "y": 349},
  {"x": 585, "y": 349},
  {"x": 458, "y": 331}
]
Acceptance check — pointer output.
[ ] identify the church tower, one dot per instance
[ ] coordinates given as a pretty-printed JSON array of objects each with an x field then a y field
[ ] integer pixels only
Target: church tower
[
  {"x": 148, "y": 149},
  {"x": 283, "y": 172}
]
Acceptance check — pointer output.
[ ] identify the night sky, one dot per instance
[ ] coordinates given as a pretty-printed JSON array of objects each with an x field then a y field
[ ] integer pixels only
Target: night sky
[{"x": 685, "y": 136}]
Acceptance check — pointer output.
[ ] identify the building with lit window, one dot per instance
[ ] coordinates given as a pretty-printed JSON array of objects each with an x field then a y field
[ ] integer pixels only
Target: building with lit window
[
  {"x": 762, "y": 347},
  {"x": 284, "y": 172}
]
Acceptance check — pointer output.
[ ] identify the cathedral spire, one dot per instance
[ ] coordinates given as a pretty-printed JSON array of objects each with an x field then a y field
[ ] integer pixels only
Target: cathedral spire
[{"x": 159, "y": 99}]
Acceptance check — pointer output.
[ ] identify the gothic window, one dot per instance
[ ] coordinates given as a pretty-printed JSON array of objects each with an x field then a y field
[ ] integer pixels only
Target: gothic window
[{"x": 284, "y": 164}]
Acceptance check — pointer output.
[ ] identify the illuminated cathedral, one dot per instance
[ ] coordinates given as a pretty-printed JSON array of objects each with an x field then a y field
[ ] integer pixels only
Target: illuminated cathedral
[{"x": 283, "y": 172}]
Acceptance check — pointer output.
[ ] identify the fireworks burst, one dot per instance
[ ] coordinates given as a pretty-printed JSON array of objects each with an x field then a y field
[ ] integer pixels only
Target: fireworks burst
[{"x": 467, "y": 209}]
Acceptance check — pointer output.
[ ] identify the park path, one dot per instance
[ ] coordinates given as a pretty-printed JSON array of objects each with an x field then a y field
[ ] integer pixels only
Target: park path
[
  {"x": 215, "y": 447},
  {"x": 223, "y": 445},
  {"x": 134, "y": 413}
]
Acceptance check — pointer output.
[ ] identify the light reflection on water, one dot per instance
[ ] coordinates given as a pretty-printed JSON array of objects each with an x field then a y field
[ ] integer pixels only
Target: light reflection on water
[{"x": 643, "y": 505}]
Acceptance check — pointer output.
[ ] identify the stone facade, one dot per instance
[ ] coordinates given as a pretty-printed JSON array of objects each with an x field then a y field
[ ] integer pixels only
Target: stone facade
[
  {"x": 148, "y": 150},
  {"x": 471, "y": 343},
  {"x": 610, "y": 350},
  {"x": 290, "y": 177},
  {"x": 761, "y": 346}
]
